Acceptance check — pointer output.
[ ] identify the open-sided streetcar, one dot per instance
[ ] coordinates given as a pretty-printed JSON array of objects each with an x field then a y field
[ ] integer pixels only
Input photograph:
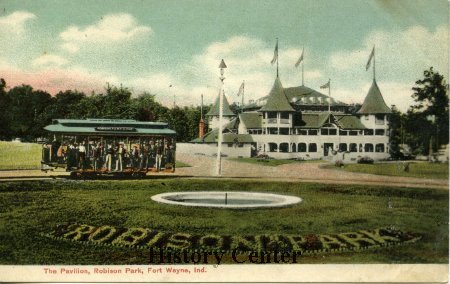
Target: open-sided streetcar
[{"x": 92, "y": 147}]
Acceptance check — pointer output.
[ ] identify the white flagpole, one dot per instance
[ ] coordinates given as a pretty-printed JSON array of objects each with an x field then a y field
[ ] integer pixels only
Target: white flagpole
[
  {"x": 303, "y": 66},
  {"x": 243, "y": 91},
  {"x": 329, "y": 95},
  {"x": 374, "y": 62}
]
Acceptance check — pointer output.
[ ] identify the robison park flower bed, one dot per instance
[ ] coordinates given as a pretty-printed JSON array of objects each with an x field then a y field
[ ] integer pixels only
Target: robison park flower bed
[{"x": 116, "y": 222}]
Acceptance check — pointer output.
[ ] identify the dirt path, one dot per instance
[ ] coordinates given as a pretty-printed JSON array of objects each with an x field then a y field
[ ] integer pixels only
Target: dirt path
[
  {"x": 307, "y": 172},
  {"x": 205, "y": 167}
]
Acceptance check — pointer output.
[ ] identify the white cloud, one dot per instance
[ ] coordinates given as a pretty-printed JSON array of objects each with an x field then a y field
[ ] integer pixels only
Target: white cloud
[
  {"x": 398, "y": 52},
  {"x": 111, "y": 29},
  {"x": 49, "y": 60},
  {"x": 14, "y": 23}
]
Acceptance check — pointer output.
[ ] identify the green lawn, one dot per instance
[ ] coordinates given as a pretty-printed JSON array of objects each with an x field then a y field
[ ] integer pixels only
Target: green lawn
[
  {"x": 271, "y": 162},
  {"x": 416, "y": 169},
  {"x": 28, "y": 209},
  {"x": 20, "y": 156}
]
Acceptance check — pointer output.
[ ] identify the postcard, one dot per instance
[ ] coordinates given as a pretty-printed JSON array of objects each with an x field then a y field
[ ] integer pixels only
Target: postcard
[{"x": 224, "y": 141}]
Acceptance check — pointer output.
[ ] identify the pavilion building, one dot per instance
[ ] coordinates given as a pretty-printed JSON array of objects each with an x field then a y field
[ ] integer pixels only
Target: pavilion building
[{"x": 299, "y": 122}]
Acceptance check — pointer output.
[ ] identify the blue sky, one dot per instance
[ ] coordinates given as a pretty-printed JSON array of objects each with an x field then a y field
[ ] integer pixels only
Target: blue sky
[{"x": 151, "y": 45}]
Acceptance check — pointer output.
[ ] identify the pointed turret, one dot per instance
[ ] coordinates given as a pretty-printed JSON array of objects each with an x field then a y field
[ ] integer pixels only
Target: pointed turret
[
  {"x": 277, "y": 100},
  {"x": 374, "y": 102},
  {"x": 214, "y": 111}
]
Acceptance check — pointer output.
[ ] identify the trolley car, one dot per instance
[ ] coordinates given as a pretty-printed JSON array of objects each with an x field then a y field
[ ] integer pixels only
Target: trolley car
[{"x": 92, "y": 147}]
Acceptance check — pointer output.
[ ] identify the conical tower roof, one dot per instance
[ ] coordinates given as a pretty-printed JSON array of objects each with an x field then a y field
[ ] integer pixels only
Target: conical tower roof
[
  {"x": 277, "y": 100},
  {"x": 214, "y": 110},
  {"x": 374, "y": 102}
]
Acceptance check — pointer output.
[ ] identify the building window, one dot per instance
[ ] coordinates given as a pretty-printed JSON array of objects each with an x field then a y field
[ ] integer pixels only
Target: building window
[
  {"x": 312, "y": 132},
  {"x": 302, "y": 131},
  {"x": 284, "y": 131},
  {"x": 302, "y": 147},
  {"x": 379, "y": 132},
  {"x": 343, "y": 147},
  {"x": 272, "y": 130},
  {"x": 353, "y": 147},
  {"x": 328, "y": 131},
  {"x": 368, "y": 148},
  {"x": 273, "y": 147},
  {"x": 271, "y": 117},
  {"x": 343, "y": 132},
  {"x": 379, "y": 119},
  {"x": 353, "y": 133},
  {"x": 294, "y": 147},
  {"x": 379, "y": 148},
  {"x": 284, "y": 147},
  {"x": 368, "y": 131},
  {"x": 312, "y": 147}
]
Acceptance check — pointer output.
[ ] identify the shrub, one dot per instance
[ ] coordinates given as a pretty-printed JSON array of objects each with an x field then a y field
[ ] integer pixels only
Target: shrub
[{"x": 365, "y": 160}]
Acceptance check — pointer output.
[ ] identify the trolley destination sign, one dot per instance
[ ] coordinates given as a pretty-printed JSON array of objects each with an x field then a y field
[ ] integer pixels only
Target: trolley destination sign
[{"x": 115, "y": 128}]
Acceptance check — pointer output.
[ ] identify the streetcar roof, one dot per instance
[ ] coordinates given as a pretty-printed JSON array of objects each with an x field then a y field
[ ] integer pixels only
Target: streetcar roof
[{"x": 109, "y": 127}]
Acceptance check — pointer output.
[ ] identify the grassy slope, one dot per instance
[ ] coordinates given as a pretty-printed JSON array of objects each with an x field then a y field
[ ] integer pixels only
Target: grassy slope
[
  {"x": 419, "y": 170},
  {"x": 28, "y": 208},
  {"x": 19, "y": 156}
]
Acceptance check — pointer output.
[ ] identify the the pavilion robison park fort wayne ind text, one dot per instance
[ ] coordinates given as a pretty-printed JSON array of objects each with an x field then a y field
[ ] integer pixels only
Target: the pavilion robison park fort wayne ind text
[{"x": 298, "y": 123}]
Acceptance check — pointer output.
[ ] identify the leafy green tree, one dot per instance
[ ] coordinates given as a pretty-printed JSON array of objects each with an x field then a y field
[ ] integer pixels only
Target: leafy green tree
[
  {"x": 5, "y": 132},
  {"x": 431, "y": 96},
  {"x": 66, "y": 104},
  {"x": 146, "y": 108},
  {"x": 117, "y": 103},
  {"x": 395, "y": 139},
  {"x": 26, "y": 109}
]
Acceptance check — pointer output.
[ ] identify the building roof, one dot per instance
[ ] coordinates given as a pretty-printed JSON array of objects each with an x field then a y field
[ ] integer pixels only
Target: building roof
[
  {"x": 303, "y": 95},
  {"x": 348, "y": 122},
  {"x": 374, "y": 102},
  {"x": 277, "y": 100},
  {"x": 109, "y": 127},
  {"x": 214, "y": 110},
  {"x": 251, "y": 119},
  {"x": 313, "y": 120},
  {"x": 211, "y": 137}
]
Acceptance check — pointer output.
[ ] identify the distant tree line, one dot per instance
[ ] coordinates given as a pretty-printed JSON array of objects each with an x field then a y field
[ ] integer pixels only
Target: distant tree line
[{"x": 26, "y": 111}]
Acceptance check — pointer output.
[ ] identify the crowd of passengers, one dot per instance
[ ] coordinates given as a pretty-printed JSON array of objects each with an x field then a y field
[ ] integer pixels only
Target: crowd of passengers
[{"x": 156, "y": 153}]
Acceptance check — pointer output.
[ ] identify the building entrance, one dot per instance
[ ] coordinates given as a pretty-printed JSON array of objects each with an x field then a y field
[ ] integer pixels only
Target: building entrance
[{"x": 327, "y": 148}]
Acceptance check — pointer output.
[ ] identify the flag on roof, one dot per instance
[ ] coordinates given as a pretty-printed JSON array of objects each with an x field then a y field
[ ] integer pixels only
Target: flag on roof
[
  {"x": 241, "y": 89},
  {"x": 325, "y": 86},
  {"x": 372, "y": 54},
  {"x": 299, "y": 60},
  {"x": 275, "y": 54}
]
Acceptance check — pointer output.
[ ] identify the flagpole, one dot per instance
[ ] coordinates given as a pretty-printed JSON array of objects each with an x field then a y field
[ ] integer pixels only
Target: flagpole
[
  {"x": 374, "y": 62},
  {"x": 303, "y": 66},
  {"x": 329, "y": 95},
  {"x": 277, "y": 57},
  {"x": 329, "y": 100},
  {"x": 243, "y": 91}
]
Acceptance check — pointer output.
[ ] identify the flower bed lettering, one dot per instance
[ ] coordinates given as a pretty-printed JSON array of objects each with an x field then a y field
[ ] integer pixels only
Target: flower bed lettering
[{"x": 145, "y": 238}]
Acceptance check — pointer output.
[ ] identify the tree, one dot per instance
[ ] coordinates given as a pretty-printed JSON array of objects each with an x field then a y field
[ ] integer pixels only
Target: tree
[
  {"x": 395, "y": 134},
  {"x": 5, "y": 132},
  {"x": 26, "y": 111},
  {"x": 431, "y": 96}
]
